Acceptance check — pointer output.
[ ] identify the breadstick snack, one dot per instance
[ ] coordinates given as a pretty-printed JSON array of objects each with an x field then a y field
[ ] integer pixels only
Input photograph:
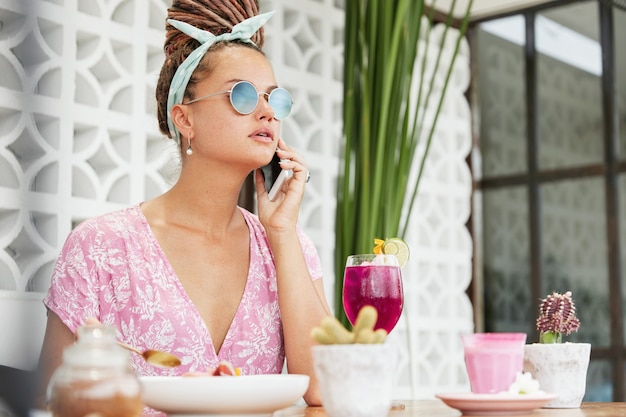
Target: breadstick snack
[{"x": 332, "y": 332}]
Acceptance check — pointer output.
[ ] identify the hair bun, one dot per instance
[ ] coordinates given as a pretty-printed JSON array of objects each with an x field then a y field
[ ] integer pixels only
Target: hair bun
[{"x": 215, "y": 16}]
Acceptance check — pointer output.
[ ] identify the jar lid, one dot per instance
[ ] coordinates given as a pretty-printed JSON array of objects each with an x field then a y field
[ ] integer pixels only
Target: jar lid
[{"x": 96, "y": 346}]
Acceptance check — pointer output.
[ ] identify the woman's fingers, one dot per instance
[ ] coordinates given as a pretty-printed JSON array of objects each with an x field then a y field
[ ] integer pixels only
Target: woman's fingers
[
  {"x": 292, "y": 160},
  {"x": 92, "y": 321}
]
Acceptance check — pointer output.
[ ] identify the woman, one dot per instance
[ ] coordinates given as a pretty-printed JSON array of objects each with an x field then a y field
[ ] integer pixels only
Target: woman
[{"x": 190, "y": 272}]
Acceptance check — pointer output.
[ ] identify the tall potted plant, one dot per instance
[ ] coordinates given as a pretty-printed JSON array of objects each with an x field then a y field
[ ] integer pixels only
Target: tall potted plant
[{"x": 387, "y": 94}]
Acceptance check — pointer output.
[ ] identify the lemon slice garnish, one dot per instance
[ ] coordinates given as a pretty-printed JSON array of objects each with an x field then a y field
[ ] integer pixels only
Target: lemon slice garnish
[{"x": 393, "y": 246}]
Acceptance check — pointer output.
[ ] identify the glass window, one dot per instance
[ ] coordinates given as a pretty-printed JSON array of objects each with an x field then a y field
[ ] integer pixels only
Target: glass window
[
  {"x": 574, "y": 251},
  {"x": 506, "y": 267},
  {"x": 569, "y": 70},
  {"x": 502, "y": 96},
  {"x": 599, "y": 387}
]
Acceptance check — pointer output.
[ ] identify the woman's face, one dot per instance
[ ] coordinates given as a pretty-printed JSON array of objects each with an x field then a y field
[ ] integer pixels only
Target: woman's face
[{"x": 219, "y": 131}]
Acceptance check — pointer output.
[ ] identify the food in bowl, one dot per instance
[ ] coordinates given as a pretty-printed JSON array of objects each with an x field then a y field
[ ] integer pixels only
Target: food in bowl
[{"x": 224, "y": 368}]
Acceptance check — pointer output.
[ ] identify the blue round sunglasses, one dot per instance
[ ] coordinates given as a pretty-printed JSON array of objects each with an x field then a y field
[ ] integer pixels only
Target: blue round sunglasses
[{"x": 244, "y": 98}]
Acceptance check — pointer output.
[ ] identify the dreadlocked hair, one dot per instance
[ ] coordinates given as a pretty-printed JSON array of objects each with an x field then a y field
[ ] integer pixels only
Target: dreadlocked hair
[{"x": 215, "y": 16}]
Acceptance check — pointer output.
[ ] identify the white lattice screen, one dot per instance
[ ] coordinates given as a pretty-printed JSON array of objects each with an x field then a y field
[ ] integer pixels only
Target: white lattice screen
[
  {"x": 78, "y": 137},
  {"x": 437, "y": 309}
]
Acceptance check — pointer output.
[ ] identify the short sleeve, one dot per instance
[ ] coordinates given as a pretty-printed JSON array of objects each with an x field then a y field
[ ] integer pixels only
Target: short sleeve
[{"x": 72, "y": 294}]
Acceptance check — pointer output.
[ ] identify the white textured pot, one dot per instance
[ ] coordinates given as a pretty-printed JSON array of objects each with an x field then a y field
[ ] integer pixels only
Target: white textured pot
[
  {"x": 561, "y": 369},
  {"x": 356, "y": 380}
]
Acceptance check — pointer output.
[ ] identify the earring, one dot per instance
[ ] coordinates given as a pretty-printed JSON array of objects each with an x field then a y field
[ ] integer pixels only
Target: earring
[{"x": 189, "y": 151}]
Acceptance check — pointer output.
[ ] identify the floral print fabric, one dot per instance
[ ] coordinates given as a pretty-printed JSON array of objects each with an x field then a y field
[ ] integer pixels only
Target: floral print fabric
[{"x": 112, "y": 268}]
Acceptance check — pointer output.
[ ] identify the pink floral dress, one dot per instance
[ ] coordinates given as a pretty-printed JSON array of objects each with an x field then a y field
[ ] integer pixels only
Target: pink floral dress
[{"x": 112, "y": 268}]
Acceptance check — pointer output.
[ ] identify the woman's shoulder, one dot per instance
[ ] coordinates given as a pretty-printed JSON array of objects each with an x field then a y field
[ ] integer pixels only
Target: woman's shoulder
[{"x": 119, "y": 222}]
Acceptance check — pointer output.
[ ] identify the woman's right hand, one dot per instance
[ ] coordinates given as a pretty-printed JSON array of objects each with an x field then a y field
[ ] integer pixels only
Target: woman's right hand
[{"x": 282, "y": 214}]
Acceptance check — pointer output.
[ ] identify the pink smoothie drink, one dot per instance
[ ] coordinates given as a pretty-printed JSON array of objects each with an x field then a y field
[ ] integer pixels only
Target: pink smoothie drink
[
  {"x": 377, "y": 285},
  {"x": 493, "y": 360}
]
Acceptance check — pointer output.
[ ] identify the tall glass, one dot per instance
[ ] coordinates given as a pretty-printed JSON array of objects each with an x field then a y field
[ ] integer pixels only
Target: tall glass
[{"x": 374, "y": 280}]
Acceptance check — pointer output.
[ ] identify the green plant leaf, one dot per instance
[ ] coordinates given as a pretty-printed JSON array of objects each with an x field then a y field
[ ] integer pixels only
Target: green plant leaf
[{"x": 383, "y": 122}]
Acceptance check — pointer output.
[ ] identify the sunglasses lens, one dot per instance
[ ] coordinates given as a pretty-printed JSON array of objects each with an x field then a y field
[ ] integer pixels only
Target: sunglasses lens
[
  {"x": 281, "y": 102},
  {"x": 243, "y": 97}
]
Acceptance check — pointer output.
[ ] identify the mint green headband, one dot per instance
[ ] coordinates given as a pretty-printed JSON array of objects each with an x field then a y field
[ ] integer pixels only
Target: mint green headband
[{"x": 241, "y": 31}]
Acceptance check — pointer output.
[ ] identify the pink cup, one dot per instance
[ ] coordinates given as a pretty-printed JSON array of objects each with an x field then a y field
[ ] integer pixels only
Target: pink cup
[{"x": 493, "y": 360}]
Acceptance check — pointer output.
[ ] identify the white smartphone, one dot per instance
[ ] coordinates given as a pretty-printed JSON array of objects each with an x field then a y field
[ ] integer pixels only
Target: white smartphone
[{"x": 275, "y": 177}]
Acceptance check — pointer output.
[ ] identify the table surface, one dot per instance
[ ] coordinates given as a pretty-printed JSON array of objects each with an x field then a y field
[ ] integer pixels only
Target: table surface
[{"x": 436, "y": 408}]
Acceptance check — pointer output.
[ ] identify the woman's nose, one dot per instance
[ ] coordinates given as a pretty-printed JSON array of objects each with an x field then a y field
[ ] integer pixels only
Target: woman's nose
[{"x": 264, "y": 105}]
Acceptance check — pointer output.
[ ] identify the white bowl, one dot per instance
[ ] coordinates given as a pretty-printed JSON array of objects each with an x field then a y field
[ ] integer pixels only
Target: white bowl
[{"x": 258, "y": 395}]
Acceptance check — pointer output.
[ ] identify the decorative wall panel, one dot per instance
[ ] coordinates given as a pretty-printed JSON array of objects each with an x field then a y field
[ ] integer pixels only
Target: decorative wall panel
[{"x": 79, "y": 134}]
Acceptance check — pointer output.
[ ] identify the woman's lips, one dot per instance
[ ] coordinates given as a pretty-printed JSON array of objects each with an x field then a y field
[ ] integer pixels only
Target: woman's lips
[{"x": 264, "y": 135}]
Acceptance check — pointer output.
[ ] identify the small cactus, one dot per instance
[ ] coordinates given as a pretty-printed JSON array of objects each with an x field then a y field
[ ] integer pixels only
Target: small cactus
[{"x": 557, "y": 317}]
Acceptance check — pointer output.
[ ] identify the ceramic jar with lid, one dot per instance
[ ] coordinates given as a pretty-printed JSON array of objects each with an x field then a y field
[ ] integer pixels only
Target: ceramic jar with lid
[{"x": 95, "y": 378}]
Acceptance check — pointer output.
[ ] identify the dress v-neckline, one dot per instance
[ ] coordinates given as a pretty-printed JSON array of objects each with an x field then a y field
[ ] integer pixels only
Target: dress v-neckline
[{"x": 228, "y": 339}]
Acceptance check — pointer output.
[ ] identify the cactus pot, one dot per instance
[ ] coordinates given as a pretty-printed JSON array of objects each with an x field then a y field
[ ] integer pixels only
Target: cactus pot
[{"x": 561, "y": 369}]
